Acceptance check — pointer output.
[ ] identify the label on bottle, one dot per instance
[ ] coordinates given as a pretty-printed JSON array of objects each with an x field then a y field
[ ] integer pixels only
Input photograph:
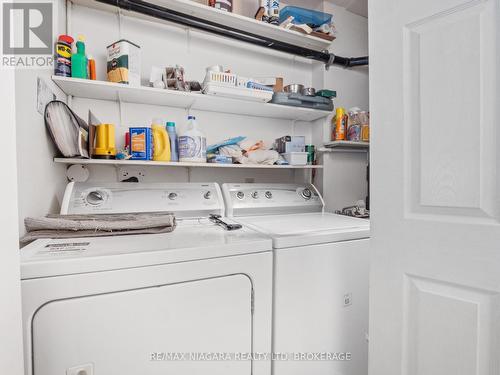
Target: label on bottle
[{"x": 192, "y": 147}]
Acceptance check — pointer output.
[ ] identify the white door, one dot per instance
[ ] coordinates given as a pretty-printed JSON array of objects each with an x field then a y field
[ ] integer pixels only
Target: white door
[{"x": 435, "y": 276}]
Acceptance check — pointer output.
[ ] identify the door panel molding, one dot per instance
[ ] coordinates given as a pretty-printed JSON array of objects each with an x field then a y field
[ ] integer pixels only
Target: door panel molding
[
  {"x": 449, "y": 328},
  {"x": 451, "y": 155}
]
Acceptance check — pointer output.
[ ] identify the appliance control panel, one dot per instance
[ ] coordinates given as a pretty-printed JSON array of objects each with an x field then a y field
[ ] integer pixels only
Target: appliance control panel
[
  {"x": 183, "y": 199},
  {"x": 264, "y": 199}
]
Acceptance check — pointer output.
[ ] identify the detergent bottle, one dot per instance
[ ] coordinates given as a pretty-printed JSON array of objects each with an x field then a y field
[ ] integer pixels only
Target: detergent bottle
[
  {"x": 172, "y": 134},
  {"x": 161, "y": 141},
  {"x": 192, "y": 144},
  {"x": 79, "y": 60}
]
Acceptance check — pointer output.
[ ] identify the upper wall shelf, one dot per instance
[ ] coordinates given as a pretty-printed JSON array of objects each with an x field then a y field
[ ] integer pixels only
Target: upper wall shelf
[
  {"x": 230, "y": 20},
  {"x": 85, "y": 88}
]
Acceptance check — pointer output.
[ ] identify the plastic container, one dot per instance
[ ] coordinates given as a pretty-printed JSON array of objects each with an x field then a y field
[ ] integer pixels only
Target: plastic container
[
  {"x": 104, "y": 147},
  {"x": 92, "y": 72},
  {"x": 172, "y": 133},
  {"x": 193, "y": 144},
  {"x": 79, "y": 60},
  {"x": 161, "y": 141},
  {"x": 225, "y": 5},
  {"x": 365, "y": 126},
  {"x": 296, "y": 158},
  {"x": 311, "y": 154},
  {"x": 300, "y": 16}
]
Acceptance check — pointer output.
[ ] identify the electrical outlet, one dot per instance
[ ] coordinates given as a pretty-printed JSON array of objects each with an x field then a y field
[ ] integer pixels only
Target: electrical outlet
[
  {"x": 347, "y": 299},
  {"x": 87, "y": 369},
  {"x": 127, "y": 173}
]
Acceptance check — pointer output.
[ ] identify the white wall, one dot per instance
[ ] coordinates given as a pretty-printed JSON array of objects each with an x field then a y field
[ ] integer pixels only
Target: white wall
[
  {"x": 11, "y": 351},
  {"x": 194, "y": 51},
  {"x": 41, "y": 182},
  {"x": 344, "y": 176}
]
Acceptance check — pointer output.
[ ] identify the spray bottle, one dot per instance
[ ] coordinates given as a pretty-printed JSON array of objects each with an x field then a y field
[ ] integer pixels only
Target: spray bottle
[{"x": 79, "y": 60}]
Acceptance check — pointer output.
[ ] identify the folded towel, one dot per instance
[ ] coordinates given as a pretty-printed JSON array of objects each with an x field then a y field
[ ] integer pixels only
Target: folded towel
[{"x": 70, "y": 226}]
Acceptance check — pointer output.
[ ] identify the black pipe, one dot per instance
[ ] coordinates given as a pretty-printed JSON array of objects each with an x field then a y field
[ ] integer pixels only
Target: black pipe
[
  {"x": 170, "y": 15},
  {"x": 347, "y": 62}
]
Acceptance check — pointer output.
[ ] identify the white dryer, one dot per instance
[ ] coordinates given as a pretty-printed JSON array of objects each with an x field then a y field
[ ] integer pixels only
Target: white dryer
[
  {"x": 321, "y": 266},
  {"x": 194, "y": 301}
]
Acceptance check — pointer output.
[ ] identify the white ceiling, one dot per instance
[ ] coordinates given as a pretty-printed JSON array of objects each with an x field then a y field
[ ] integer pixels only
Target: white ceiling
[{"x": 355, "y": 6}]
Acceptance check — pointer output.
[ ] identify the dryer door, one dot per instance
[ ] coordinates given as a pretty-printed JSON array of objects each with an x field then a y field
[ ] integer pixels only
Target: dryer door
[{"x": 170, "y": 329}]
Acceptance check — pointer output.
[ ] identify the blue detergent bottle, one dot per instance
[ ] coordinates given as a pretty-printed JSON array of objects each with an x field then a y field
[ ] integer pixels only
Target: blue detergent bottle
[{"x": 174, "y": 152}]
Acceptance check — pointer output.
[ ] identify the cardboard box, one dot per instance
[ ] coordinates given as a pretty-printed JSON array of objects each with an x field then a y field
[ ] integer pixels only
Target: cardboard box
[{"x": 141, "y": 143}]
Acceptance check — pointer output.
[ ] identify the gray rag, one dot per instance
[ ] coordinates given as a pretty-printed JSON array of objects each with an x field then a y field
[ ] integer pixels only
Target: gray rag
[{"x": 70, "y": 226}]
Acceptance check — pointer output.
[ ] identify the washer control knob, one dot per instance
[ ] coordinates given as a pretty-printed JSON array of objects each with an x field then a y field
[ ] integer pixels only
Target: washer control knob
[
  {"x": 95, "y": 198},
  {"x": 255, "y": 195},
  {"x": 172, "y": 196},
  {"x": 269, "y": 195},
  {"x": 306, "y": 194},
  {"x": 240, "y": 195},
  {"x": 207, "y": 195}
]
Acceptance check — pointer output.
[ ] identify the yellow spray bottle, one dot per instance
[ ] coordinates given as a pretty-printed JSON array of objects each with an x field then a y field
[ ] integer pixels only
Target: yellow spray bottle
[{"x": 161, "y": 141}]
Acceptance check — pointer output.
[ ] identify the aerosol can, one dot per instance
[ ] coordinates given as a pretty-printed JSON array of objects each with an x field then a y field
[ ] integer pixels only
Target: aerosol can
[
  {"x": 274, "y": 12},
  {"x": 266, "y": 5}
]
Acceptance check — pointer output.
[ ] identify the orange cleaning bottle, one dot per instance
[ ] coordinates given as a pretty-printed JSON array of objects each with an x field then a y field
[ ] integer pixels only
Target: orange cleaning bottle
[{"x": 340, "y": 124}]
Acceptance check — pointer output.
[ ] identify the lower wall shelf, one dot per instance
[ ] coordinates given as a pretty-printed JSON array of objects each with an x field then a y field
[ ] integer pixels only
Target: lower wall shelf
[
  {"x": 118, "y": 163},
  {"x": 347, "y": 145}
]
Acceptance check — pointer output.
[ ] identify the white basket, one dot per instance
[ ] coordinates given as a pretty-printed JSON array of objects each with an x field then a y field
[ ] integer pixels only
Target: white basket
[
  {"x": 242, "y": 81},
  {"x": 237, "y": 92},
  {"x": 221, "y": 79}
]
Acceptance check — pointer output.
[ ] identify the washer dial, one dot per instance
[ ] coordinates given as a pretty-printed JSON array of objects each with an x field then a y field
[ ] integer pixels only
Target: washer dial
[
  {"x": 95, "y": 197},
  {"x": 306, "y": 194}
]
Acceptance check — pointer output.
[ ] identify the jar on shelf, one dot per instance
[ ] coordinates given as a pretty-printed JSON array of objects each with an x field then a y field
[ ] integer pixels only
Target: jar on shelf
[
  {"x": 365, "y": 126},
  {"x": 354, "y": 126}
]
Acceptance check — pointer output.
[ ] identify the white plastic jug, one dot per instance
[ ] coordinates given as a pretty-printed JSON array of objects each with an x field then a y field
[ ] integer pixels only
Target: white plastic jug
[{"x": 192, "y": 144}]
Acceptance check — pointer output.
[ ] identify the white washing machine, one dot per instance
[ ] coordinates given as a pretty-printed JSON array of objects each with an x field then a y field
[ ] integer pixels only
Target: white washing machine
[
  {"x": 321, "y": 266},
  {"x": 148, "y": 304}
]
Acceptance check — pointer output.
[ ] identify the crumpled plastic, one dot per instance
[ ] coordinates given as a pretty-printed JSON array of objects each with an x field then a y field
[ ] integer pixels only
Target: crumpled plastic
[{"x": 250, "y": 152}]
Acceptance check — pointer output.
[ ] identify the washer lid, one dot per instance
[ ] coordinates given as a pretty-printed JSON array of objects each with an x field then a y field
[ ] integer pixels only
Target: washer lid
[
  {"x": 187, "y": 242},
  {"x": 308, "y": 228}
]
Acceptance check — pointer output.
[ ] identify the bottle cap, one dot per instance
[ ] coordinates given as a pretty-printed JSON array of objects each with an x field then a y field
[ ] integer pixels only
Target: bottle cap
[
  {"x": 171, "y": 124},
  {"x": 66, "y": 38},
  {"x": 191, "y": 117}
]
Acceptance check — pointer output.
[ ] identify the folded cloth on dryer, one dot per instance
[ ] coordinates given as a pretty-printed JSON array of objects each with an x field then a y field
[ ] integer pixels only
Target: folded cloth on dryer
[{"x": 69, "y": 226}]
